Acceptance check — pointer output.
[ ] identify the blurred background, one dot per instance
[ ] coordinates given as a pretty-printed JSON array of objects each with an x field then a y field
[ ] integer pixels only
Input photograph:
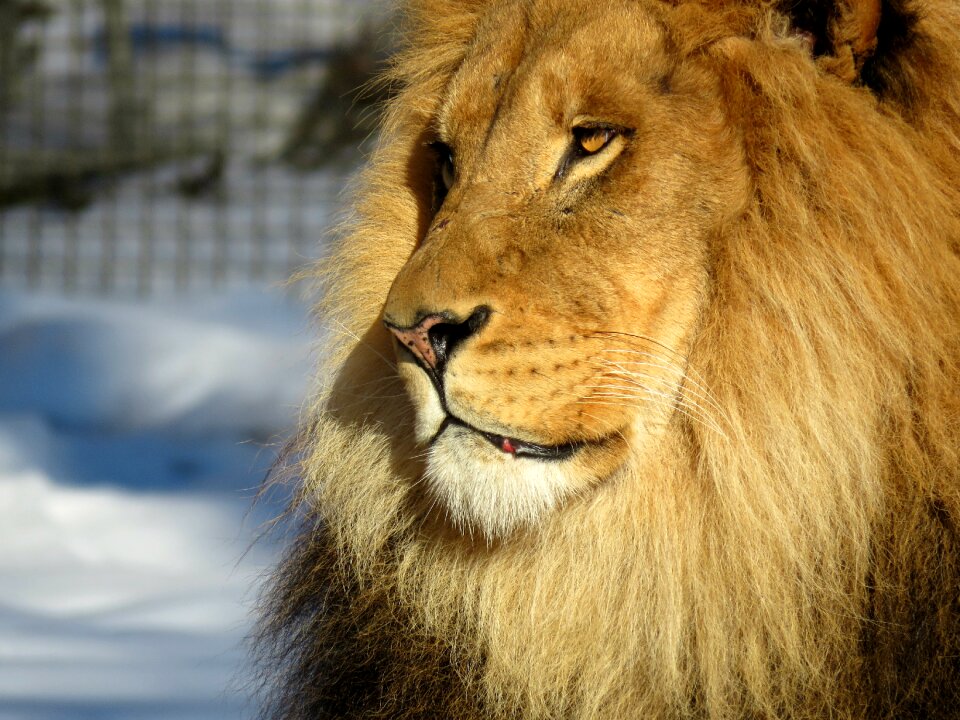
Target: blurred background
[{"x": 165, "y": 165}]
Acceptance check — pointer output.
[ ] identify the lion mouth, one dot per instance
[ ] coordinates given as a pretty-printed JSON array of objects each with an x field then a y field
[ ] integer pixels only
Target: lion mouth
[{"x": 514, "y": 446}]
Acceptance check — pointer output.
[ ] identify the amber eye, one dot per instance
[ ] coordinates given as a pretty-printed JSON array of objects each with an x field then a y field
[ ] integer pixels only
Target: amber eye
[{"x": 591, "y": 140}]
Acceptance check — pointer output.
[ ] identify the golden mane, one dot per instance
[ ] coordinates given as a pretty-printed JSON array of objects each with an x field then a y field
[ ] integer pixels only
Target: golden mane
[{"x": 802, "y": 563}]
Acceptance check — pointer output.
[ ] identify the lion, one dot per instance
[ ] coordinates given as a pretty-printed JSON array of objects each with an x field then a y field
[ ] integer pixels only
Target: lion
[{"x": 640, "y": 398}]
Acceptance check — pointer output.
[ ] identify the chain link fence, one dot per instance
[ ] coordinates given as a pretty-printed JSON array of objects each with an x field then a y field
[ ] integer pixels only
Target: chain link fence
[{"x": 152, "y": 146}]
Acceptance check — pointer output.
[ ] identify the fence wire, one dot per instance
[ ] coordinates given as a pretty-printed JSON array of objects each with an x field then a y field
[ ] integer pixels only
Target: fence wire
[{"x": 166, "y": 145}]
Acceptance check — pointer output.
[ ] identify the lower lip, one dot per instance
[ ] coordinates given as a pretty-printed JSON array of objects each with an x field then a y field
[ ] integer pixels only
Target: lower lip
[{"x": 518, "y": 448}]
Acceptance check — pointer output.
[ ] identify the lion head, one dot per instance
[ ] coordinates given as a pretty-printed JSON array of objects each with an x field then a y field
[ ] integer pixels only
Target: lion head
[
  {"x": 546, "y": 317},
  {"x": 640, "y": 398}
]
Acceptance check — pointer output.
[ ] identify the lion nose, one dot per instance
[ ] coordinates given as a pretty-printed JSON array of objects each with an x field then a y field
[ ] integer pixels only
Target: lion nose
[{"x": 433, "y": 339}]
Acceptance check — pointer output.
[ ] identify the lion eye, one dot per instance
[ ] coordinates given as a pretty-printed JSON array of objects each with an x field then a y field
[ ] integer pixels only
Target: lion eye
[
  {"x": 591, "y": 140},
  {"x": 446, "y": 170}
]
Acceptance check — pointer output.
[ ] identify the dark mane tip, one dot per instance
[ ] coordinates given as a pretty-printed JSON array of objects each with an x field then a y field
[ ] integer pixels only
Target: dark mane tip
[{"x": 886, "y": 70}]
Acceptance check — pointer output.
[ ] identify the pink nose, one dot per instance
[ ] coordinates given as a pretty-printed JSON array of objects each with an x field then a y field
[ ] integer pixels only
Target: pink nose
[{"x": 417, "y": 339}]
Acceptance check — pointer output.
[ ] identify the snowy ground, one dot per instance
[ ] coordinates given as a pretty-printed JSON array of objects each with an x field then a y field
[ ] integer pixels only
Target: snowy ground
[{"x": 131, "y": 438}]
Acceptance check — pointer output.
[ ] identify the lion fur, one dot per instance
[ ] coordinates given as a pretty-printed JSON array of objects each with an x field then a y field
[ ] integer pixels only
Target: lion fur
[{"x": 803, "y": 564}]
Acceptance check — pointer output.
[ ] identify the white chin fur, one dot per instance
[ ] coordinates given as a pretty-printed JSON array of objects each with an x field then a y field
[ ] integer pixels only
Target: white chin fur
[{"x": 487, "y": 490}]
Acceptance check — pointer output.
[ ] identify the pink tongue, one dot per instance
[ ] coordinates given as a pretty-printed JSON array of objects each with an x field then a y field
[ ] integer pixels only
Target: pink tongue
[{"x": 507, "y": 446}]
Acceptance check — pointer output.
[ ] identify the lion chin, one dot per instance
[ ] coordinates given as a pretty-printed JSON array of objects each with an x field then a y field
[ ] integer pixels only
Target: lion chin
[
  {"x": 488, "y": 480},
  {"x": 486, "y": 488},
  {"x": 639, "y": 397},
  {"x": 481, "y": 484}
]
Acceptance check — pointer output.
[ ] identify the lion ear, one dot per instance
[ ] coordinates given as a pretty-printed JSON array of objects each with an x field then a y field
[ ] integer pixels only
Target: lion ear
[{"x": 842, "y": 33}]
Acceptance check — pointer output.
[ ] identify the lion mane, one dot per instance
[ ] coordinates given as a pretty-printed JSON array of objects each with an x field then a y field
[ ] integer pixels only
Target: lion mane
[{"x": 764, "y": 527}]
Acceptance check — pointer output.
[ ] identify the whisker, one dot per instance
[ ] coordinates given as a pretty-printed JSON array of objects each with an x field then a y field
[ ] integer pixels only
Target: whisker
[
  {"x": 554, "y": 380},
  {"x": 347, "y": 332},
  {"x": 700, "y": 419},
  {"x": 638, "y": 391},
  {"x": 685, "y": 367},
  {"x": 374, "y": 396},
  {"x": 423, "y": 455},
  {"x": 689, "y": 369},
  {"x": 643, "y": 393},
  {"x": 606, "y": 425},
  {"x": 678, "y": 399},
  {"x": 389, "y": 379},
  {"x": 664, "y": 364},
  {"x": 696, "y": 391},
  {"x": 645, "y": 338},
  {"x": 358, "y": 399},
  {"x": 690, "y": 377}
]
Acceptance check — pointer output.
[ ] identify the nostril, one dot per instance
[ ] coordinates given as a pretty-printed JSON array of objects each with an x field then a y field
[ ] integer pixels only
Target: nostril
[
  {"x": 417, "y": 339},
  {"x": 478, "y": 318},
  {"x": 436, "y": 336},
  {"x": 445, "y": 337}
]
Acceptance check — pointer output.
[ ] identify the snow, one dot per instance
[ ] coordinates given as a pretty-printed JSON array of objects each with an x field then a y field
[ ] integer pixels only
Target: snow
[{"x": 132, "y": 437}]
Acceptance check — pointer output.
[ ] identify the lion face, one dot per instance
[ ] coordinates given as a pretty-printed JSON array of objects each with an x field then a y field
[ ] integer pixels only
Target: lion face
[{"x": 544, "y": 321}]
